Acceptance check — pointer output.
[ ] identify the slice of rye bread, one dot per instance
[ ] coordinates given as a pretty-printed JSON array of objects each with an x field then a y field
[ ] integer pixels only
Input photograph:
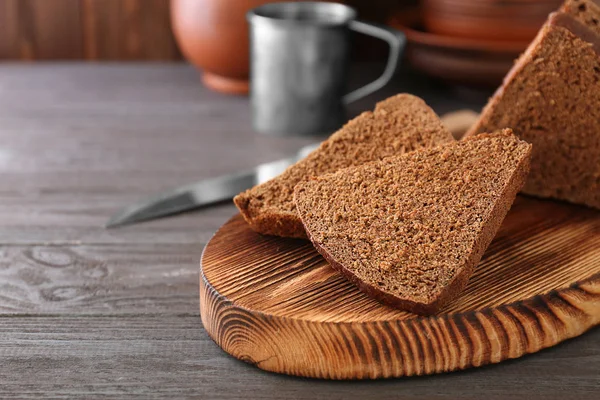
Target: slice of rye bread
[
  {"x": 585, "y": 11},
  {"x": 408, "y": 230},
  {"x": 400, "y": 124},
  {"x": 551, "y": 98}
]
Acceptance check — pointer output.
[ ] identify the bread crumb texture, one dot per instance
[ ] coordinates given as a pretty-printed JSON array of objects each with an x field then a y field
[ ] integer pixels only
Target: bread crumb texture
[
  {"x": 398, "y": 125},
  {"x": 406, "y": 226},
  {"x": 551, "y": 99}
]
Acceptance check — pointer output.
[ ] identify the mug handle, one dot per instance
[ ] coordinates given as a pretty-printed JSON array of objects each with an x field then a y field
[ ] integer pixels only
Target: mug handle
[{"x": 395, "y": 39}]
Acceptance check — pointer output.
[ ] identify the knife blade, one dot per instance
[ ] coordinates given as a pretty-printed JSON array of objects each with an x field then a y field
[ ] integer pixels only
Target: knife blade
[
  {"x": 214, "y": 190},
  {"x": 203, "y": 193}
]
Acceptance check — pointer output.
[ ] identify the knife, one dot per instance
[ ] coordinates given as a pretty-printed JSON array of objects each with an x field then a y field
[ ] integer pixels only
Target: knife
[
  {"x": 204, "y": 192},
  {"x": 214, "y": 190}
]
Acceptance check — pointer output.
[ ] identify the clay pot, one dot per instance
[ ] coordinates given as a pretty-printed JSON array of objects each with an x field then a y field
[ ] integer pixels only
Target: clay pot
[
  {"x": 213, "y": 35},
  {"x": 487, "y": 19}
]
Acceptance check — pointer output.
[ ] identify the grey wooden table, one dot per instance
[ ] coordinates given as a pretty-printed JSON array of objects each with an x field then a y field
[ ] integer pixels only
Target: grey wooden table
[{"x": 88, "y": 312}]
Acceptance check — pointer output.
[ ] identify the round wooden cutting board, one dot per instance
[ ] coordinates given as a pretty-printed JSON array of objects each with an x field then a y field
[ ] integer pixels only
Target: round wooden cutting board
[{"x": 277, "y": 304}]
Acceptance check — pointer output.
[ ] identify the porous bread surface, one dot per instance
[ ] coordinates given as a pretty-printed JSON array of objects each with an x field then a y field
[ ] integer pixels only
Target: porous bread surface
[
  {"x": 398, "y": 125},
  {"x": 585, "y": 11},
  {"x": 551, "y": 98},
  {"x": 408, "y": 230}
]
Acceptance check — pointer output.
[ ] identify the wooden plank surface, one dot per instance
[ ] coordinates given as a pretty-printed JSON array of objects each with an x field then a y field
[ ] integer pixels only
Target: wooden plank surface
[
  {"x": 86, "y": 29},
  {"x": 127, "y": 30},
  {"x": 121, "y": 29},
  {"x": 40, "y": 29},
  {"x": 86, "y": 312},
  {"x": 170, "y": 356}
]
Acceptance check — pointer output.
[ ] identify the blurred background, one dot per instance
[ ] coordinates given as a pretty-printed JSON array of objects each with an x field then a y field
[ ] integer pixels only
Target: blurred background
[
  {"x": 461, "y": 42},
  {"x": 118, "y": 30}
]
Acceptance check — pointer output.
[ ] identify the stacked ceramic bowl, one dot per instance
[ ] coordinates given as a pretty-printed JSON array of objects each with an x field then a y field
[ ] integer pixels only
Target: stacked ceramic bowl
[{"x": 470, "y": 42}]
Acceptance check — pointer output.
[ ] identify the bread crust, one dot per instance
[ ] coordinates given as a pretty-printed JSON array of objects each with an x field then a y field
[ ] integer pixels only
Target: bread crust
[
  {"x": 585, "y": 11},
  {"x": 274, "y": 224}
]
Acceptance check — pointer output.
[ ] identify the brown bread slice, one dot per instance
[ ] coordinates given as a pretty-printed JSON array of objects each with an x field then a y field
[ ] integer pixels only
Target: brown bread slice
[
  {"x": 397, "y": 125},
  {"x": 408, "y": 230},
  {"x": 551, "y": 98},
  {"x": 586, "y": 12}
]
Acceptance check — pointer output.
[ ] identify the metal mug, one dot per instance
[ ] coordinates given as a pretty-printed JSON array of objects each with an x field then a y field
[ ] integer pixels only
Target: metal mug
[{"x": 299, "y": 65}]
